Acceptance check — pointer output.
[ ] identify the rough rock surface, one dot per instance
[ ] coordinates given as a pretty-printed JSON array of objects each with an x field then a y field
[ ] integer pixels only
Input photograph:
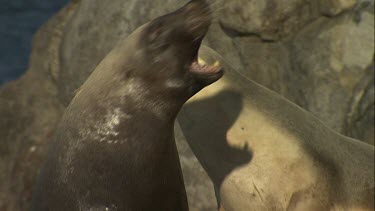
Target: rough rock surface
[{"x": 319, "y": 54}]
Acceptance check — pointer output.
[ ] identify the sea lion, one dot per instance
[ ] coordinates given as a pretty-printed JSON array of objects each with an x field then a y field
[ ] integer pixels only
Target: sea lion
[
  {"x": 263, "y": 152},
  {"x": 114, "y": 148}
]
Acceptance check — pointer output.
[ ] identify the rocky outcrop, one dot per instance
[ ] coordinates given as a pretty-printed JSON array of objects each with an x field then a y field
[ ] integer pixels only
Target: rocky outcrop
[
  {"x": 30, "y": 112},
  {"x": 319, "y": 54}
]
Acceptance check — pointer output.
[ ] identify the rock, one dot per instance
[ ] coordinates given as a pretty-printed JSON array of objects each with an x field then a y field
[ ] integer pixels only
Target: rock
[
  {"x": 275, "y": 19},
  {"x": 198, "y": 186},
  {"x": 30, "y": 112},
  {"x": 333, "y": 57},
  {"x": 318, "y": 54},
  {"x": 334, "y": 7},
  {"x": 269, "y": 20}
]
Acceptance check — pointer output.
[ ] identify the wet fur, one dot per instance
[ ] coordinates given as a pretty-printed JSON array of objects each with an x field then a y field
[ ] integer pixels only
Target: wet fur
[{"x": 114, "y": 148}]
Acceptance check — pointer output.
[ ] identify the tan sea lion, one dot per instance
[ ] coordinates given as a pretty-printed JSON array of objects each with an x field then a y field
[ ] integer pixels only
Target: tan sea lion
[
  {"x": 263, "y": 152},
  {"x": 114, "y": 148}
]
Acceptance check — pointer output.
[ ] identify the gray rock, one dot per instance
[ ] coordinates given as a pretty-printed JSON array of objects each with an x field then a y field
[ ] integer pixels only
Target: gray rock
[
  {"x": 318, "y": 54},
  {"x": 275, "y": 19},
  {"x": 334, "y": 7},
  {"x": 333, "y": 56},
  {"x": 30, "y": 112},
  {"x": 270, "y": 20}
]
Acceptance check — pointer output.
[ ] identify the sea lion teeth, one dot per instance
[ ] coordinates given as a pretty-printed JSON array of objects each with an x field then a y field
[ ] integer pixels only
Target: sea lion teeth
[
  {"x": 201, "y": 61},
  {"x": 204, "y": 63},
  {"x": 216, "y": 64}
]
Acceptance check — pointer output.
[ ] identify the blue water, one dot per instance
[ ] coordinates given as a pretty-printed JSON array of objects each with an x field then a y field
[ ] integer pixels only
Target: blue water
[{"x": 19, "y": 20}]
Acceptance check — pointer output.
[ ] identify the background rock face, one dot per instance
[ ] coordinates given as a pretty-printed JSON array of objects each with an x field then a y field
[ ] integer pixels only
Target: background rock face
[{"x": 319, "y": 54}]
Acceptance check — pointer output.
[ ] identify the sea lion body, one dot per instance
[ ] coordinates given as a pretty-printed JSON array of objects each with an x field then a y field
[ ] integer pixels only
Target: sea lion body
[
  {"x": 114, "y": 148},
  {"x": 263, "y": 152}
]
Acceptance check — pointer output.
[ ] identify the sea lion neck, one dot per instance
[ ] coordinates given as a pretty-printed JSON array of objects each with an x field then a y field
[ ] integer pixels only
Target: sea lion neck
[
  {"x": 115, "y": 144},
  {"x": 139, "y": 95}
]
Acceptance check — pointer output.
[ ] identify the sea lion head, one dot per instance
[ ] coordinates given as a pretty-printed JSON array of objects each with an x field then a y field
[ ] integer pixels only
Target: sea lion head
[{"x": 166, "y": 52}]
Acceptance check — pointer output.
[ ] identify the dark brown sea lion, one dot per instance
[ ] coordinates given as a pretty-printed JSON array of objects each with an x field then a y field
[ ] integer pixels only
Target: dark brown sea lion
[{"x": 115, "y": 149}]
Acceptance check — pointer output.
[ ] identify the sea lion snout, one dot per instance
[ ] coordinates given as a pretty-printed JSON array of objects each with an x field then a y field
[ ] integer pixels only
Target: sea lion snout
[
  {"x": 197, "y": 17},
  {"x": 182, "y": 30},
  {"x": 170, "y": 44}
]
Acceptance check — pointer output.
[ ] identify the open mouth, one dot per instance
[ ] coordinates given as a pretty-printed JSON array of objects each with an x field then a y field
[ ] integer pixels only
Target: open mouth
[
  {"x": 199, "y": 66},
  {"x": 197, "y": 18},
  {"x": 204, "y": 72}
]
